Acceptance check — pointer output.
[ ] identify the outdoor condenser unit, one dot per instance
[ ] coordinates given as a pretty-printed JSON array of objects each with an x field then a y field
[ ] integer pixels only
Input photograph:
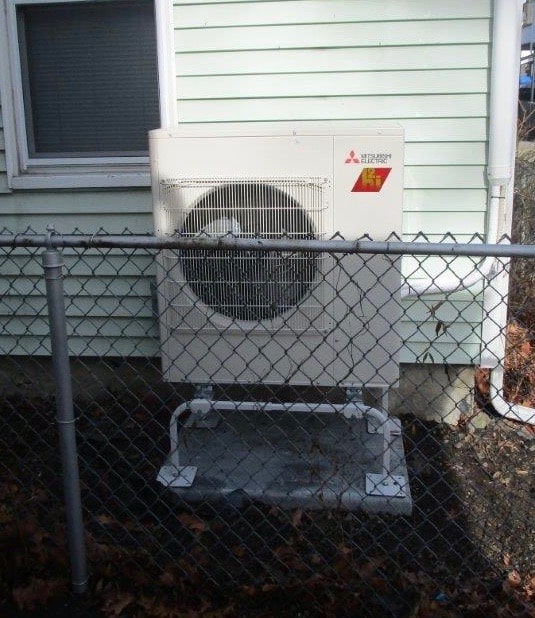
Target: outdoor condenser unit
[
  {"x": 280, "y": 317},
  {"x": 272, "y": 317}
]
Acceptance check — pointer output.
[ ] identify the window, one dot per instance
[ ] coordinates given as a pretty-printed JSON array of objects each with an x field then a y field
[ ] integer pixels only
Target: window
[
  {"x": 85, "y": 84},
  {"x": 90, "y": 78}
]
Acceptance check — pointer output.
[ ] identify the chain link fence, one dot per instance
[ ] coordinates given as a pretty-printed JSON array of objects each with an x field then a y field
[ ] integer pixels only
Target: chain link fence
[{"x": 248, "y": 427}]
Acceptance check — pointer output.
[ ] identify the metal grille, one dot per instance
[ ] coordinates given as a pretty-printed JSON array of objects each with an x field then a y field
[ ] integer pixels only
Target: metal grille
[
  {"x": 255, "y": 207},
  {"x": 249, "y": 287},
  {"x": 259, "y": 499}
]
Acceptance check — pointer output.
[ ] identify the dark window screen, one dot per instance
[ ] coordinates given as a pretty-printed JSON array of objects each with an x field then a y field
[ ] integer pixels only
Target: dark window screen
[{"x": 90, "y": 77}]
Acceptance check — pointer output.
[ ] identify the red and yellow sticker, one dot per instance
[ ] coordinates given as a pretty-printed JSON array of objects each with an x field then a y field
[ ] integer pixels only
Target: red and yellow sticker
[{"x": 371, "y": 180}]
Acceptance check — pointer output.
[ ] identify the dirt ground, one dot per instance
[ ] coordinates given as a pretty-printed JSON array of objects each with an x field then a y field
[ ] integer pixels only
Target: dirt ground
[{"x": 466, "y": 550}]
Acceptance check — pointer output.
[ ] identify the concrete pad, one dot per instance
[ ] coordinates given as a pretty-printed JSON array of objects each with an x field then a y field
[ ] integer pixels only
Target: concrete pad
[
  {"x": 434, "y": 392},
  {"x": 291, "y": 459}
]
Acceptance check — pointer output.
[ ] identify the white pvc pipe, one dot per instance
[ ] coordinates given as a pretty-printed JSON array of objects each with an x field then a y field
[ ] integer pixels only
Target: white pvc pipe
[
  {"x": 447, "y": 283},
  {"x": 513, "y": 411},
  {"x": 502, "y": 144},
  {"x": 505, "y": 65}
]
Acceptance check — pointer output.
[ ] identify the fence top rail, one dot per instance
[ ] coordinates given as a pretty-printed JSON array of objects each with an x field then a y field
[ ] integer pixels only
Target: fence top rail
[{"x": 233, "y": 243}]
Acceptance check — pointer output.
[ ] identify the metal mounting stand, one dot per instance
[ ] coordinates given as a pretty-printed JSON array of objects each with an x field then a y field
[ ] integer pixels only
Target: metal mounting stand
[
  {"x": 386, "y": 484},
  {"x": 201, "y": 414}
]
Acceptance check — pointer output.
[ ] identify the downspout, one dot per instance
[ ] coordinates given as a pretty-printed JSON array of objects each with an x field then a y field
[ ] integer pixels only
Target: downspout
[{"x": 506, "y": 47}]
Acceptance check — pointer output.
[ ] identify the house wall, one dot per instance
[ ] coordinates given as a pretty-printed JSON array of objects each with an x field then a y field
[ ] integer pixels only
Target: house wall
[{"x": 422, "y": 65}]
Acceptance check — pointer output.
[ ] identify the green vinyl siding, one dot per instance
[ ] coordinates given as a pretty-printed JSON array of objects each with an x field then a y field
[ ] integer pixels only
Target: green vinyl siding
[
  {"x": 84, "y": 220},
  {"x": 33, "y": 345},
  {"x": 422, "y": 65},
  {"x": 195, "y": 14},
  {"x": 336, "y": 107},
  {"x": 341, "y": 84},
  {"x": 107, "y": 313},
  {"x": 331, "y": 34},
  {"x": 312, "y": 60}
]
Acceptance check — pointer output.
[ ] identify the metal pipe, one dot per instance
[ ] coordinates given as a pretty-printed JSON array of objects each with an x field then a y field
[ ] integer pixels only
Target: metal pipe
[
  {"x": 53, "y": 268},
  {"x": 258, "y": 244},
  {"x": 173, "y": 434}
]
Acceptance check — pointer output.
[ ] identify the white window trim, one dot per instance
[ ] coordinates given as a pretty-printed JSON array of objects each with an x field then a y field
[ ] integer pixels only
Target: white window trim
[{"x": 26, "y": 173}]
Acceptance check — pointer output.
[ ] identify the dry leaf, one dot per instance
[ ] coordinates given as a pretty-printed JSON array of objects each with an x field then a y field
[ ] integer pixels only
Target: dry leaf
[
  {"x": 368, "y": 569},
  {"x": 192, "y": 522},
  {"x": 167, "y": 579},
  {"x": 525, "y": 349},
  {"x": 38, "y": 592},
  {"x": 105, "y": 519},
  {"x": 116, "y": 602},
  {"x": 297, "y": 518},
  {"x": 290, "y": 558},
  {"x": 240, "y": 551},
  {"x": 514, "y": 579}
]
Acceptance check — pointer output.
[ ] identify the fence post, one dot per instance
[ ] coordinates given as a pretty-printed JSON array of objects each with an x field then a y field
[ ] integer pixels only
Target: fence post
[{"x": 53, "y": 267}]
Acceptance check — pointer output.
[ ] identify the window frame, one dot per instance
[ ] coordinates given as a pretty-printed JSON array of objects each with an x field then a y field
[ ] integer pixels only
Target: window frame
[{"x": 25, "y": 172}]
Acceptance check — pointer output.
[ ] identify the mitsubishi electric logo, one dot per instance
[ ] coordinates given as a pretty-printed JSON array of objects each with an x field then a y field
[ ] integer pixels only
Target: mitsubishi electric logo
[
  {"x": 369, "y": 158},
  {"x": 352, "y": 157},
  {"x": 371, "y": 180}
]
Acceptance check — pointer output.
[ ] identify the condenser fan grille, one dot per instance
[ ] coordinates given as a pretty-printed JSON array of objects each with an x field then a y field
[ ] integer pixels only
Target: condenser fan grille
[{"x": 253, "y": 285}]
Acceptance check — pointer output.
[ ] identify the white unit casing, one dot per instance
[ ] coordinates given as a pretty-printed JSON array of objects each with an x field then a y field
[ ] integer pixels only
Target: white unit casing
[{"x": 284, "y": 318}]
